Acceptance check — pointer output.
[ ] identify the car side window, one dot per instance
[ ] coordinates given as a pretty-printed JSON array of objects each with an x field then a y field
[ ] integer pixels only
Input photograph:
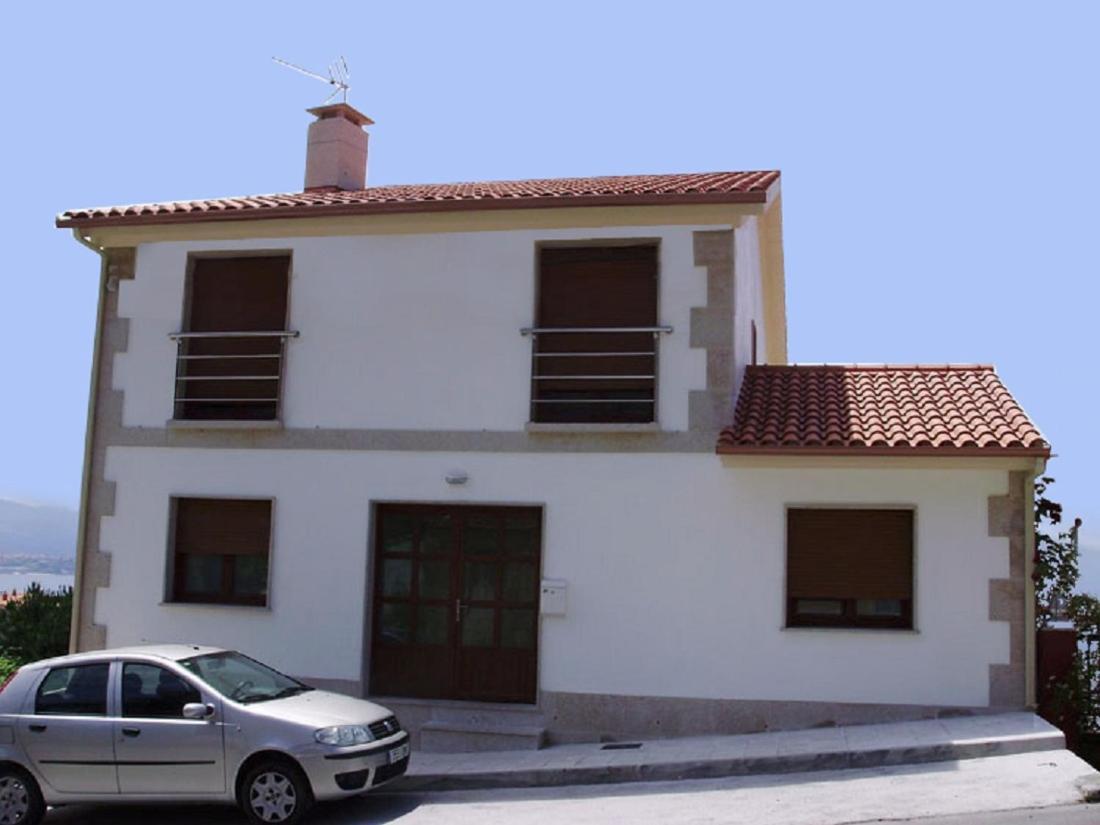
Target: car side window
[
  {"x": 151, "y": 692},
  {"x": 80, "y": 690}
]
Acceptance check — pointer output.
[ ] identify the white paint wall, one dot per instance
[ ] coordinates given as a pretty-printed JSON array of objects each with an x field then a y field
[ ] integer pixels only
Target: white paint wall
[
  {"x": 675, "y": 566},
  {"x": 403, "y": 331},
  {"x": 748, "y": 299}
]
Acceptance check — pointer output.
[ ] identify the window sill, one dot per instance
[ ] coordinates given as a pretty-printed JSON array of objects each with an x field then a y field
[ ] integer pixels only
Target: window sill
[
  {"x": 907, "y": 631},
  {"x": 263, "y": 608},
  {"x": 590, "y": 428},
  {"x": 243, "y": 424}
]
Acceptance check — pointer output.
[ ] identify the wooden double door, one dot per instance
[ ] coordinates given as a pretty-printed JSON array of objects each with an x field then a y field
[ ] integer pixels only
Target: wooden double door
[{"x": 456, "y": 602}]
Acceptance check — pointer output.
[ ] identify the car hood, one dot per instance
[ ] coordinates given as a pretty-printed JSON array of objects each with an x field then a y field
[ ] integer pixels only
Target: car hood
[{"x": 320, "y": 708}]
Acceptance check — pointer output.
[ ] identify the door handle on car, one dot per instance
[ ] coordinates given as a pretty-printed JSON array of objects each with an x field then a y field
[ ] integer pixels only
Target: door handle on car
[
  {"x": 131, "y": 732},
  {"x": 37, "y": 728}
]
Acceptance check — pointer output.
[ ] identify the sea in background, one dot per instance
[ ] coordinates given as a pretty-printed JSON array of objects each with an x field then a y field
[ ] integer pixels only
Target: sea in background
[{"x": 21, "y": 581}]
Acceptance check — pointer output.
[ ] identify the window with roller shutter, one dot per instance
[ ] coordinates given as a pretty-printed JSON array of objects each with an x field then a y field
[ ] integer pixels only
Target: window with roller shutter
[
  {"x": 220, "y": 550},
  {"x": 850, "y": 567}
]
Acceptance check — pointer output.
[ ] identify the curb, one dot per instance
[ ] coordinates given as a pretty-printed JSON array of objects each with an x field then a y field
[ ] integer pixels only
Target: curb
[{"x": 734, "y": 766}]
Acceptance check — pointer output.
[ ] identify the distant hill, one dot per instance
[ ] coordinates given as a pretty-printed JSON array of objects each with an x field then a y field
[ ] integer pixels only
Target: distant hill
[{"x": 37, "y": 530}]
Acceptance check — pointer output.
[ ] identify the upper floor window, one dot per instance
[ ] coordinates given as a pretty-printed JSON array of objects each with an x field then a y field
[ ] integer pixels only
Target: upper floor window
[
  {"x": 595, "y": 339},
  {"x": 220, "y": 550},
  {"x": 849, "y": 567},
  {"x": 230, "y": 352}
]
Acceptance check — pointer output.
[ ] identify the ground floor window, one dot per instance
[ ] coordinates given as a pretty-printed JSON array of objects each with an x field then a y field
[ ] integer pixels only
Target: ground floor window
[
  {"x": 220, "y": 550},
  {"x": 849, "y": 567}
]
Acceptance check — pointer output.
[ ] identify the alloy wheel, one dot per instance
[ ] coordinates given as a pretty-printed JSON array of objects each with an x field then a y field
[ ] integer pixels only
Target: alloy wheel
[{"x": 272, "y": 797}]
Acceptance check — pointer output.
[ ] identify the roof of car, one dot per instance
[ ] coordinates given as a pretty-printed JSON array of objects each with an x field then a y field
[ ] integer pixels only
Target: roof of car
[{"x": 171, "y": 652}]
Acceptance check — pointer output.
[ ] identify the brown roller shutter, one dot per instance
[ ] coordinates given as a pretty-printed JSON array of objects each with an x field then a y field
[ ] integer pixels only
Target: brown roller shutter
[
  {"x": 849, "y": 554},
  {"x": 227, "y": 378},
  {"x": 598, "y": 376},
  {"x": 228, "y": 527}
]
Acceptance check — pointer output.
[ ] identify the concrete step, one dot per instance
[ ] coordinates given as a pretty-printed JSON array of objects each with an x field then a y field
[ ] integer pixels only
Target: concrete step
[{"x": 445, "y": 736}]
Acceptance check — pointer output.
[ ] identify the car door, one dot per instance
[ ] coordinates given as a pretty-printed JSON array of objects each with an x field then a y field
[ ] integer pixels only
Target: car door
[
  {"x": 158, "y": 750},
  {"x": 67, "y": 732}
]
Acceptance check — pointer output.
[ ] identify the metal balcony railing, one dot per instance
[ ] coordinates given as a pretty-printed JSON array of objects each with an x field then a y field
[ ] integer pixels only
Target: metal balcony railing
[
  {"x": 594, "y": 374},
  {"x": 229, "y": 375}
]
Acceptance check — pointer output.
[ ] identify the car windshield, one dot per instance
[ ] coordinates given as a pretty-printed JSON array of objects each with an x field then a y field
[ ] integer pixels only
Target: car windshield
[{"x": 242, "y": 679}]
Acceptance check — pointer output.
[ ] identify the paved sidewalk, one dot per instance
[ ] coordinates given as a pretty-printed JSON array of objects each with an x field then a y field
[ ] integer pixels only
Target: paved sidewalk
[{"x": 860, "y": 746}]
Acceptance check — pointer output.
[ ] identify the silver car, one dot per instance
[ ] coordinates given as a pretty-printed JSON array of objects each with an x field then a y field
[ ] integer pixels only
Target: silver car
[{"x": 170, "y": 723}]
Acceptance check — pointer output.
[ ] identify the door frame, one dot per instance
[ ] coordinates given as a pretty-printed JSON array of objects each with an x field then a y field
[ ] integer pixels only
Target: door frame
[{"x": 373, "y": 506}]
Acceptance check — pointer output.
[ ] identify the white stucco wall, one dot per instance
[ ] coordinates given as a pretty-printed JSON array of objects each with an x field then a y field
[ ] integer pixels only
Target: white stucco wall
[
  {"x": 432, "y": 319},
  {"x": 674, "y": 563},
  {"x": 748, "y": 299}
]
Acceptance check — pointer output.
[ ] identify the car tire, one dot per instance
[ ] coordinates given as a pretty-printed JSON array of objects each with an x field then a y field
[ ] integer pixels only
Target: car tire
[
  {"x": 21, "y": 800},
  {"x": 275, "y": 791}
]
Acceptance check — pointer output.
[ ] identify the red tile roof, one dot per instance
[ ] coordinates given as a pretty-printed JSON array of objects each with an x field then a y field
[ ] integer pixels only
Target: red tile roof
[
  {"x": 949, "y": 410},
  {"x": 623, "y": 190}
]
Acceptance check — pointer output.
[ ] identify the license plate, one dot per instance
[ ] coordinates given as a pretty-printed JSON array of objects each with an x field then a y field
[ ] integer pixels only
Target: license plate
[{"x": 399, "y": 753}]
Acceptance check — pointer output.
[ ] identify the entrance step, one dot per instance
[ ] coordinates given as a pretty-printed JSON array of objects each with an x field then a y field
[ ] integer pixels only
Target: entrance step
[
  {"x": 441, "y": 736},
  {"x": 448, "y": 726}
]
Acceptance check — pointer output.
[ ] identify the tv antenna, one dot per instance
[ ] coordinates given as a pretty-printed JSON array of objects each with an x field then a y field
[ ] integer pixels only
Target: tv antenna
[{"x": 338, "y": 75}]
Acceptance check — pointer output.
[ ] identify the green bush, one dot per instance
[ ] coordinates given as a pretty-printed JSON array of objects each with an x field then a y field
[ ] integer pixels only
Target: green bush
[{"x": 35, "y": 626}]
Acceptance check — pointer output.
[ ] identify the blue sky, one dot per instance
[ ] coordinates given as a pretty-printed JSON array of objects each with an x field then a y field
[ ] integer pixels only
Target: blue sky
[{"x": 940, "y": 163}]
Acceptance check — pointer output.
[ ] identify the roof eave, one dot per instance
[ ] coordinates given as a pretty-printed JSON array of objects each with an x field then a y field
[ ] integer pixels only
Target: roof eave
[
  {"x": 877, "y": 452},
  {"x": 398, "y": 207}
]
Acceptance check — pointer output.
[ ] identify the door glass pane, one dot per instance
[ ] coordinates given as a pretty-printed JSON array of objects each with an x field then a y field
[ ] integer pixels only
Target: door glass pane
[
  {"x": 74, "y": 691},
  {"x": 519, "y": 582},
  {"x": 436, "y": 533},
  {"x": 479, "y": 581},
  {"x": 521, "y": 534},
  {"x": 435, "y": 579},
  {"x": 396, "y": 624},
  {"x": 249, "y": 575},
  {"x": 482, "y": 535},
  {"x": 431, "y": 625},
  {"x": 397, "y": 532},
  {"x": 202, "y": 575},
  {"x": 151, "y": 692},
  {"x": 477, "y": 627},
  {"x": 396, "y": 577},
  {"x": 517, "y": 628}
]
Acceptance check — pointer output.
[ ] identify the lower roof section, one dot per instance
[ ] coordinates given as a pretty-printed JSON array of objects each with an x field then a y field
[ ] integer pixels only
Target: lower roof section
[{"x": 879, "y": 410}]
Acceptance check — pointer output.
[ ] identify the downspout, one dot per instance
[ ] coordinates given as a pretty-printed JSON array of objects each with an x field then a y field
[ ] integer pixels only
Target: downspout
[
  {"x": 1030, "y": 662},
  {"x": 89, "y": 438}
]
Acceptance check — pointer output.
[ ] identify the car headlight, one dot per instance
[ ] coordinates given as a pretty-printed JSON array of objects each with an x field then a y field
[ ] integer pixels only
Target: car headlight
[{"x": 344, "y": 735}]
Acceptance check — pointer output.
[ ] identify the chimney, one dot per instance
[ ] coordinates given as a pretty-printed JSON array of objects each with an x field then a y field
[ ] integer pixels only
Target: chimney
[{"x": 336, "y": 151}]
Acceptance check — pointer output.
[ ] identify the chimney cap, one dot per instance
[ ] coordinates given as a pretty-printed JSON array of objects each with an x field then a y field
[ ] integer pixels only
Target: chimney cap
[{"x": 343, "y": 110}]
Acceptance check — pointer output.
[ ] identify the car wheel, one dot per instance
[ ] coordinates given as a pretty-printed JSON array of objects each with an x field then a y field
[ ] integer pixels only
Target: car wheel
[
  {"x": 276, "y": 791},
  {"x": 21, "y": 801}
]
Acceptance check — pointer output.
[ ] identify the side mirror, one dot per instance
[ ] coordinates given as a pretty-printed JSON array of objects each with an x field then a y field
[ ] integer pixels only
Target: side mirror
[{"x": 197, "y": 711}]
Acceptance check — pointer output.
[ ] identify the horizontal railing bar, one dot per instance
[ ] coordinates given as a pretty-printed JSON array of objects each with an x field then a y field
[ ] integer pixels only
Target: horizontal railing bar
[
  {"x": 590, "y": 377},
  {"x": 649, "y": 354},
  {"x": 582, "y": 330},
  {"x": 228, "y": 378},
  {"x": 226, "y": 400},
  {"x": 227, "y": 356},
  {"x": 282, "y": 333},
  {"x": 594, "y": 401}
]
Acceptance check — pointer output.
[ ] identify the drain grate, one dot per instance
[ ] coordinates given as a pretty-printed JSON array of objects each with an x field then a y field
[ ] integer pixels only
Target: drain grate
[{"x": 621, "y": 746}]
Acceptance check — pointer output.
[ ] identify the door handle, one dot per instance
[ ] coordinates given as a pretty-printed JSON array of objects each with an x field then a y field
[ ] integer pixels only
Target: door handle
[
  {"x": 37, "y": 728},
  {"x": 131, "y": 732},
  {"x": 459, "y": 607}
]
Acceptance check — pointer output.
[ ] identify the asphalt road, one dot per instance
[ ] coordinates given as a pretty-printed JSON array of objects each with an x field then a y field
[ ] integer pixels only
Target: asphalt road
[{"x": 1040, "y": 788}]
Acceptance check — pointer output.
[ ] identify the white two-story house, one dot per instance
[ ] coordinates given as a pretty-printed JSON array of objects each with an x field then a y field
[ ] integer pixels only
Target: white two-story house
[{"x": 526, "y": 461}]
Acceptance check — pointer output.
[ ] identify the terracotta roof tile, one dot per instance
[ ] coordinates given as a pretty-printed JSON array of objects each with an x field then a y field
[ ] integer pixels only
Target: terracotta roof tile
[
  {"x": 879, "y": 410},
  {"x": 623, "y": 190}
]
